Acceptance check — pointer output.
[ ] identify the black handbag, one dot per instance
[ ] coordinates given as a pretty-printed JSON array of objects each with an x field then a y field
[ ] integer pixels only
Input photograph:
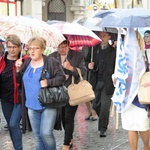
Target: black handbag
[{"x": 54, "y": 97}]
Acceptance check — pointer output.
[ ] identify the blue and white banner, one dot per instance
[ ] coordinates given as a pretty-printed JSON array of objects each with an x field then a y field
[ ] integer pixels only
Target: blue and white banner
[{"x": 128, "y": 70}]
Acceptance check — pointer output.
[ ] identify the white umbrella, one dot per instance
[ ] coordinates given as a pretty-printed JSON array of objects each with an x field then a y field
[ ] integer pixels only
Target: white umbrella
[
  {"x": 90, "y": 23},
  {"x": 26, "y": 28}
]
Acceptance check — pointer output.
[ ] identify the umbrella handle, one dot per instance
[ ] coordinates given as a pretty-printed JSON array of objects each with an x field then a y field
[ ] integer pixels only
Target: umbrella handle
[
  {"x": 92, "y": 54},
  {"x": 21, "y": 53}
]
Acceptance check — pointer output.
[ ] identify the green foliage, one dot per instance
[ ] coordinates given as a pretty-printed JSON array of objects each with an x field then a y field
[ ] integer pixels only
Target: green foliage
[{"x": 48, "y": 51}]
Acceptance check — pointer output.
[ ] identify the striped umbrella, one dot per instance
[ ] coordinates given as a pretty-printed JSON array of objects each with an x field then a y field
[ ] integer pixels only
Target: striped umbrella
[{"x": 77, "y": 35}]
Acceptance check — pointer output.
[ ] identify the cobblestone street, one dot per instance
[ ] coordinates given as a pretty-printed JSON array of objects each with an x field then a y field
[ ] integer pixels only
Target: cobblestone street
[{"x": 86, "y": 135}]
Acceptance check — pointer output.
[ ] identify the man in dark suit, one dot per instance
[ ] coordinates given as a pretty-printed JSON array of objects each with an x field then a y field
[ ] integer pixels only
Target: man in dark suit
[{"x": 101, "y": 63}]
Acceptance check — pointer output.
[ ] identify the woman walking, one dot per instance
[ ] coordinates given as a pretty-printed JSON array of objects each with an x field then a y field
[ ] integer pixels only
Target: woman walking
[
  {"x": 10, "y": 103},
  {"x": 42, "y": 119}
]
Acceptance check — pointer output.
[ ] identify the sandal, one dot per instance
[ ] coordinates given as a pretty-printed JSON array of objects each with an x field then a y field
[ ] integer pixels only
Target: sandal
[
  {"x": 71, "y": 143},
  {"x": 94, "y": 118},
  {"x": 88, "y": 117}
]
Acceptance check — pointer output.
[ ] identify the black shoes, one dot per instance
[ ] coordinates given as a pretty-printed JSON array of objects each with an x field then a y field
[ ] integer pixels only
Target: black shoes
[
  {"x": 88, "y": 117},
  {"x": 103, "y": 134},
  {"x": 6, "y": 126},
  {"x": 93, "y": 119}
]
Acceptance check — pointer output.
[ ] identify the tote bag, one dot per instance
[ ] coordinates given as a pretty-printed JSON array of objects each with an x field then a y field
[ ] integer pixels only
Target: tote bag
[
  {"x": 144, "y": 89},
  {"x": 81, "y": 92}
]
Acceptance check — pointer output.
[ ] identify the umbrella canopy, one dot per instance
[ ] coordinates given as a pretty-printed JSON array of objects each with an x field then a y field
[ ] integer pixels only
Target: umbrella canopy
[
  {"x": 127, "y": 18},
  {"x": 26, "y": 28},
  {"x": 90, "y": 23},
  {"x": 77, "y": 35},
  {"x": 54, "y": 21},
  {"x": 93, "y": 23},
  {"x": 104, "y": 13}
]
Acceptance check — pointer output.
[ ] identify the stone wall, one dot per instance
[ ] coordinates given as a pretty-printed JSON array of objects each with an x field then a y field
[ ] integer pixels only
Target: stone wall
[{"x": 32, "y": 8}]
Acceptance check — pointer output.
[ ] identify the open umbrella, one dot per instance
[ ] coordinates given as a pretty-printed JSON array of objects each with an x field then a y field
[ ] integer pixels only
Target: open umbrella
[
  {"x": 90, "y": 23},
  {"x": 26, "y": 27},
  {"x": 93, "y": 23},
  {"x": 104, "y": 13},
  {"x": 127, "y": 18},
  {"x": 77, "y": 35}
]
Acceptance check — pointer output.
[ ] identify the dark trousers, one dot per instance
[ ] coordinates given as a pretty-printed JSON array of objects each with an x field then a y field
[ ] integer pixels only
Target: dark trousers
[
  {"x": 68, "y": 114},
  {"x": 12, "y": 113},
  {"x": 101, "y": 104}
]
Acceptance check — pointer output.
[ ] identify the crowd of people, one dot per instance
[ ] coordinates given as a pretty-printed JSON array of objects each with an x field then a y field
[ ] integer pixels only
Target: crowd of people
[{"x": 20, "y": 81}]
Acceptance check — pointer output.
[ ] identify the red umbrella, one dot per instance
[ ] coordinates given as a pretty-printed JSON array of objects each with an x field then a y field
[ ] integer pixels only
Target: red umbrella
[
  {"x": 77, "y": 48},
  {"x": 77, "y": 35}
]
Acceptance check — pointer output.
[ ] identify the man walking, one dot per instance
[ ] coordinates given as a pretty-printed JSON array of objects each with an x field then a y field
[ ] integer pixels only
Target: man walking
[{"x": 101, "y": 63}]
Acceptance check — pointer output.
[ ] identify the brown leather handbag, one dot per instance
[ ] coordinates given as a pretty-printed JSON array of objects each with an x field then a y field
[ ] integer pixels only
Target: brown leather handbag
[{"x": 81, "y": 92}]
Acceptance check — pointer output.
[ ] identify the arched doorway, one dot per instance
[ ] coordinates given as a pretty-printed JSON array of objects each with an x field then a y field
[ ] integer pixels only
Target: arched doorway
[{"x": 56, "y": 10}]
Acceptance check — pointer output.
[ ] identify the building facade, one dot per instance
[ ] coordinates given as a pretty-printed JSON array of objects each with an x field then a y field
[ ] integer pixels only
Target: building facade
[{"x": 65, "y": 10}]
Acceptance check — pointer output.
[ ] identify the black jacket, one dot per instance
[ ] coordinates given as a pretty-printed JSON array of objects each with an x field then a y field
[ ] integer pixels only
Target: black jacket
[
  {"x": 76, "y": 59},
  {"x": 109, "y": 66},
  {"x": 57, "y": 78}
]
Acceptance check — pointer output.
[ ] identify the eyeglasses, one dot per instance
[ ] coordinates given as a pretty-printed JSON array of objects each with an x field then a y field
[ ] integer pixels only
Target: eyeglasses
[
  {"x": 33, "y": 48},
  {"x": 12, "y": 47},
  {"x": 61, "y": 47}
]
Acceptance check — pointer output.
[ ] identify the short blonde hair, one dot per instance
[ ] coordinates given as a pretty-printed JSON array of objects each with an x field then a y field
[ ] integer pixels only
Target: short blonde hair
[{"x": 39, "y": 41}]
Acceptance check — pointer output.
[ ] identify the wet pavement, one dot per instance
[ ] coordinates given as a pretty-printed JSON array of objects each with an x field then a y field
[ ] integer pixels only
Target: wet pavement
[{"x": 86, "y": 135}]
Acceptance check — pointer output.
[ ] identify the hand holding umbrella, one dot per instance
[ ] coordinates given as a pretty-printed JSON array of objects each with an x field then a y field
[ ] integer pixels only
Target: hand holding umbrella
[{"x": 19, "y": 64}]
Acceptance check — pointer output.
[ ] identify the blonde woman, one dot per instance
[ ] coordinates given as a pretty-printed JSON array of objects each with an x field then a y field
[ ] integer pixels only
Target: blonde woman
[{"x": 42, "y": 119}]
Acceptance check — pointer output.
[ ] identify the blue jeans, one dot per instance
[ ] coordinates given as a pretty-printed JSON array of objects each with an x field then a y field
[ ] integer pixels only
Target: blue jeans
[
  {"x": 42, "y": 123},
  {"x": 12, "y": 113}
]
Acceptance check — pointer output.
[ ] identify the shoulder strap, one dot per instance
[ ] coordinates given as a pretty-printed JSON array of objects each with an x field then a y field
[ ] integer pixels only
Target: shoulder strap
[
  {"x": 80, "y": 75},
  {"x": 147, "y": 62},
  {"x": 44, "y": 70},
  {"x": 146, "y": 55},
  {"x": 26, "y": 63}
]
